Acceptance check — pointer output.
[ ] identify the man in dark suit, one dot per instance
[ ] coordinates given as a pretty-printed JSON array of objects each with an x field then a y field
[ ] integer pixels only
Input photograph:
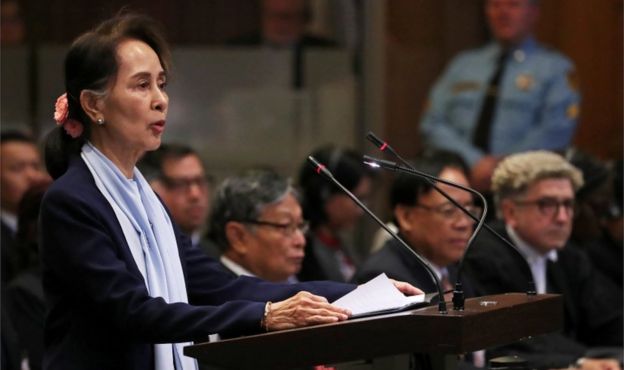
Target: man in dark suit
[
  {"x": 20, "y": 168},
  {"x": 534, "y": 195},
  {"x": 178, "y": 176},
  {"x": 432, "y": 226}
]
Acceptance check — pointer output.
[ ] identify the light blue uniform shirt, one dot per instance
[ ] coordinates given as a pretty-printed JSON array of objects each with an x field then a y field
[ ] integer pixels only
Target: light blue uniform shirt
[{"x": 537, "y": 107}]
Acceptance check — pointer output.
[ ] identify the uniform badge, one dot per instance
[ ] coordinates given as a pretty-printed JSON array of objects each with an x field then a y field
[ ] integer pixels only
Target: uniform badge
[
  {"x": 573, "y": 111},
  {"x": 525, "y": 82}
]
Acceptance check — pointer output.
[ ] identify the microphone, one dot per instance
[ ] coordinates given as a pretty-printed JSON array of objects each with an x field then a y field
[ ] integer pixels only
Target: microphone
[
  {"x": 322, "y": 170},
  {"x": 383, "y": 146}
]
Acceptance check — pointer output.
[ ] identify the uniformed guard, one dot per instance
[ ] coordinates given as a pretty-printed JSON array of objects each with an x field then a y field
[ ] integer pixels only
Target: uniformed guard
[{"x": 509, "y": 96}]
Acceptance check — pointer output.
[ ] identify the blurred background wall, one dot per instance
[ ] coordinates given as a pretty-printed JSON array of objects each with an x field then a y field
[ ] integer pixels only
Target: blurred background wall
[{"x": 411, "y": 44}]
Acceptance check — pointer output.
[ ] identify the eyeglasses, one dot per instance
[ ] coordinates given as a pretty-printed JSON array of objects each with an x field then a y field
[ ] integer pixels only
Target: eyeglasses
[
  {"x": 288, "y": 229},
  {"x": 184, "y": 184},
  {"x": 449, "y": 211},
  {"x": 550, "y": 206}
]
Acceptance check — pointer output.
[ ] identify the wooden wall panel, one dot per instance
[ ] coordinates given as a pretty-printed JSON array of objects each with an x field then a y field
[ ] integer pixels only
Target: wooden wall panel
[
  {"x": 421, "y": 38},
  {"x": 591, "y": 35}
]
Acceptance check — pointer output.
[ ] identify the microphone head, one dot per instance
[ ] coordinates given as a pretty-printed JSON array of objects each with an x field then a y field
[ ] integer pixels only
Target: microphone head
[
  {"x": 370, "y": 161},
  {"x": 313, "y": 161},
  {"x": 319, "y": 167},
  {"x": 379, "y": 163},
  {"x": 380, "y": 144}
]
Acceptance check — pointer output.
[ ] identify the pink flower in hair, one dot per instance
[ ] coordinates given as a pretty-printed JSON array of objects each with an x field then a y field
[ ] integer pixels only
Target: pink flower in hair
[
  {"x": 61, "y": 113},
  {"x": 61, "y": 110},
  {"x": 73, "y": 128}
]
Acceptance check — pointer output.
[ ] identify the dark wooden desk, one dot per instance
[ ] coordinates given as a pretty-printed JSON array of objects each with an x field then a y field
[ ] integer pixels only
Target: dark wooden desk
[{"x": 486, "y": 321}]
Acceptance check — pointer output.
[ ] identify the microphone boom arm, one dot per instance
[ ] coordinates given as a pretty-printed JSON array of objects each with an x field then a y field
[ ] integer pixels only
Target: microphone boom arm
[
  {"x": 383, "y": 146},
  {"x": 458, "y": 293},
  {"x": 320, "y": 169}
]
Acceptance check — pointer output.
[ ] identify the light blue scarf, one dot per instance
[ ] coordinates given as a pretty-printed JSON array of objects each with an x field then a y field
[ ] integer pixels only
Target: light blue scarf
[{"x": 149, "y": 233}]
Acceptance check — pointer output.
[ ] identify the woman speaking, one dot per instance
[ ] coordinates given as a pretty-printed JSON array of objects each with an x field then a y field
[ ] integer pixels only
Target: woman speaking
[{"x": 125, "y": 290}]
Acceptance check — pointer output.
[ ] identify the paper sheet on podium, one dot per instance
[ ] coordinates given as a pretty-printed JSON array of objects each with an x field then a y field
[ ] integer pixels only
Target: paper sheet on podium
[{"x": 377, "y": 296}]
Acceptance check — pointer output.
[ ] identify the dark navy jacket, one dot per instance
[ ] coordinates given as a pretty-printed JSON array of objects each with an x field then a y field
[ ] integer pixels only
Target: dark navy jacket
[
  {"x": 399, "y": 264},
  {"x": 100, "y": 313}
]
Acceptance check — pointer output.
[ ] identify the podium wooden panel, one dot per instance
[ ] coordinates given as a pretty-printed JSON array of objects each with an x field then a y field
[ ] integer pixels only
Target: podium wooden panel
[{"x": 486, "y": 321}]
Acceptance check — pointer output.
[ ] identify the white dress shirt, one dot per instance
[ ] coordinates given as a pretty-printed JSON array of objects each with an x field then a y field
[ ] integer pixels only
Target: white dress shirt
[{"x": 536, "y": 260}]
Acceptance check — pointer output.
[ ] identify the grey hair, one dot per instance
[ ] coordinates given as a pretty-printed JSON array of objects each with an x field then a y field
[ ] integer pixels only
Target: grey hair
[
  {"x": 244, "y": 197},
  {"x": 513, "y": 175}
]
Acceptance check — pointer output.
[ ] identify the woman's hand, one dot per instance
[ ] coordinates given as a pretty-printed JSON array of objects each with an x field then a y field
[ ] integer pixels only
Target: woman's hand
[
  {"x": 303, "y": 309},
  {"x": 406, "y": 288}
]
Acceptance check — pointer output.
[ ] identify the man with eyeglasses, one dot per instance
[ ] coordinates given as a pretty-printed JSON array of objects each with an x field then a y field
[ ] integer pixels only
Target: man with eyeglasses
[
  {"x": 534, "y": 195},
  {"x": 428, "y": 222},
  {"x": 258, "y": 224},
  {"x": 177, "y": 175},
  {"x": 432, "y": 226}
]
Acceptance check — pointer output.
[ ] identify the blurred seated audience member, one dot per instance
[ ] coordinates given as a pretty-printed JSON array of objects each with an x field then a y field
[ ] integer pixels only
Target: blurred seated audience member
[
  {"x": 535, "y": 196},
  {"x": 283, "y": 25},
  {"x": 20, "y": 168},
  {"x": 599, "y": 212},
  {"x": 331, "y": 213},
  {"x": 25, "y": 300},
  {"x": 508, "y": 96},
  {"x": 429, "y": 223},
  {"x": 258, "y": 224},
  {"x": 178, "y": 176},
  {"x": 12, "y": 27}
]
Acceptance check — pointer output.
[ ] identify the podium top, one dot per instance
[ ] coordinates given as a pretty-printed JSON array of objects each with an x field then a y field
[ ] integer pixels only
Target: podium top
[{"x": 485, "y": 322}]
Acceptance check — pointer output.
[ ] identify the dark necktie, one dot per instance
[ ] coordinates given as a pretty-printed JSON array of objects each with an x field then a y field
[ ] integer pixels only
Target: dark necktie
[
  {"x": 447, "y": 286},
  {"x": 481, "y": 138},
  {"x": 550, "y": 276}
]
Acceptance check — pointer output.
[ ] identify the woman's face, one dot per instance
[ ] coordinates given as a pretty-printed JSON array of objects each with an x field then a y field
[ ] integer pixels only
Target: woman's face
[{"x": 135, "y": 107}]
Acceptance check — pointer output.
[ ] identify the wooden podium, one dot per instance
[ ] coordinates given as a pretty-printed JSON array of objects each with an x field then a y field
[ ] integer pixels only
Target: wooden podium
[{"x": 486, "y": 321}]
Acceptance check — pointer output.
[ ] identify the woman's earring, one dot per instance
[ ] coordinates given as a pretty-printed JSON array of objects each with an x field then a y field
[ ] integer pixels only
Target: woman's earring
[{"x": 100, "y": 121}]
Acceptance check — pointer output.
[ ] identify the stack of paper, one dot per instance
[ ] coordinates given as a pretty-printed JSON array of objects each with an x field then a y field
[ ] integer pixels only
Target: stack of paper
[{"x": 379, "y": 295}]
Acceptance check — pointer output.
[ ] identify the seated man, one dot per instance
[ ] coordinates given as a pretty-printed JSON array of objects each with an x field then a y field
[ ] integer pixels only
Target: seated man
[
  {"x": 177, "y": 175},
  {"x": 534, "y": 195},
  {"x": 258, "y": 224},
  {"x": 431, "y": 225},
  {"x": 20, "y": 168}
]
